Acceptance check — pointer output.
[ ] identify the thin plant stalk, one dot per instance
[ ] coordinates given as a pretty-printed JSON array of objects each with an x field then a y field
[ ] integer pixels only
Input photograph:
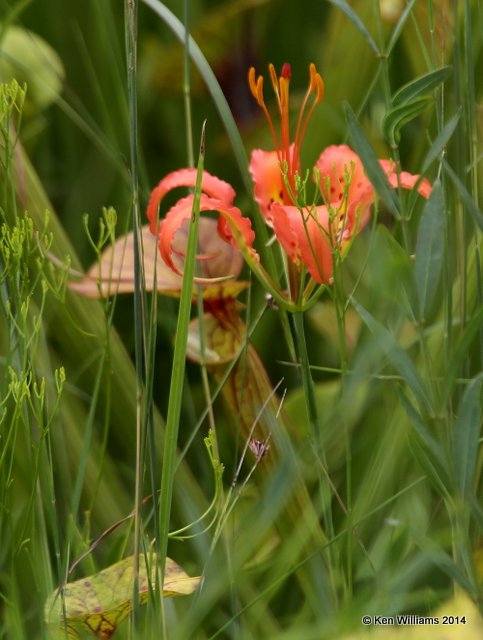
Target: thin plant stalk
[
  {"x": 131, "y": 11},
  {"x": 177, "y": 379}
]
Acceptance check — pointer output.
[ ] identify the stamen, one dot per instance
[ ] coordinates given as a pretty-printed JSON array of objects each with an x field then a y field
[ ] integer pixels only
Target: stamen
[
  {"x": 281, "y": 88},
  {"x": 316, "y": 84},
  {"x": 256, "y": 87},
  {"x": 274, "y": 79}
]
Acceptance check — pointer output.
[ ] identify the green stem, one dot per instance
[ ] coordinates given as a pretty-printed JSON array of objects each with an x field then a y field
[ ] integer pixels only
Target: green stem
[
  {"x": 131, "y": 13},
  {"x": 306, "y": 374}
]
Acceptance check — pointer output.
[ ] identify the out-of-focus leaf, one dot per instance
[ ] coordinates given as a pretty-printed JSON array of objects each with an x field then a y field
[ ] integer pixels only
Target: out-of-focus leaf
[
  {"x": 466, "y": 437},
  {"x": 99, "y": 603},
  {"x": 357, "y": 22},
  {"x": 30, "y": 59},
  {"x": 217, "y": 32},
  {"x": 114, "y": 273},
  {"x": 461, "y": 350},
  {"x": 429, "y": 250},
  {"x": 469, "y": 203},
  {"x": 390, "y": 11},
  {"x": 396, "y": 354},
  {"x": 463, "y": 622},
  {"x": 437, "y": 35},
  {"x": 440, "y": 142},
  {"x": 427, "y": 449}
]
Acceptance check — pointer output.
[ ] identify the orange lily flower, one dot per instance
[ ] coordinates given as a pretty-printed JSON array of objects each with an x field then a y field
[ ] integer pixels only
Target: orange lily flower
[
  {"x": 310, "y": 234},
  {"x": 217, "y": 195}
]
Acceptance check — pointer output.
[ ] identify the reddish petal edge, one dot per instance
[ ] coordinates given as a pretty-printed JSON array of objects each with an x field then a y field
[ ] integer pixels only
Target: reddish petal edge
[
  {"x": 182, "y": 210},
  {"x": 210, "y": 185}
]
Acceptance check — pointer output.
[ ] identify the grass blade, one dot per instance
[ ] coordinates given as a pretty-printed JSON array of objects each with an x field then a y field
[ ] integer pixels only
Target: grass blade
[{"x": 178, "y": 371}]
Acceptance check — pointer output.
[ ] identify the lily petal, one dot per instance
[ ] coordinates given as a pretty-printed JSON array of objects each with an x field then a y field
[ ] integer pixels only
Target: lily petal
[
  {"x": 268, "y": 179},
  {"x": 305, "y": 238},
  {"x": 336, "y": 164},
  {"x": 405, "y": 180},
  {"x": 210, "y": 185},
  {"x": 181, "y": 212}
]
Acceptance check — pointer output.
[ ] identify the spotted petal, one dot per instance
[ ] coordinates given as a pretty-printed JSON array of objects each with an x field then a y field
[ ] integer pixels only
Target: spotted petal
[
  {"x": 342, "y": 174},
  {"x": 305, "y": 238}
]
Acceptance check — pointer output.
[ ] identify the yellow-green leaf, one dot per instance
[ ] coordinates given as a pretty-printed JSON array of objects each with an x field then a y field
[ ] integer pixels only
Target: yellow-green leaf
[{"x": 99, "y": 603}]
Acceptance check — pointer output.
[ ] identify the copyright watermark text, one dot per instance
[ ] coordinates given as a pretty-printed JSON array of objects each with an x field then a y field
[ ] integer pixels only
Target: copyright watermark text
[{"x": 412, "y": 620}]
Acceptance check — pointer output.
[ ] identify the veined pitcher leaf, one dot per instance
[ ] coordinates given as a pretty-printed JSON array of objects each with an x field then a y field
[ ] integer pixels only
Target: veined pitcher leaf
[{"x": 99, "y": 603}]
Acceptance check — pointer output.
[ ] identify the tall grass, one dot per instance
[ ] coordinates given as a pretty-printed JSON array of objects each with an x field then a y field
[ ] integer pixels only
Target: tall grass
[{"x": 370, "y": 502}]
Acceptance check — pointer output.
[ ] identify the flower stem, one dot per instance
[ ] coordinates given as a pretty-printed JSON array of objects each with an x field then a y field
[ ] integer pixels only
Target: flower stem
[{"x": 306, "y": 374}]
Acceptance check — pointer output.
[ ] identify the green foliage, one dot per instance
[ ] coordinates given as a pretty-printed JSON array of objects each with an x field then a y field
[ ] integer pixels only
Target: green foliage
[{"x": 369, "y": 500}]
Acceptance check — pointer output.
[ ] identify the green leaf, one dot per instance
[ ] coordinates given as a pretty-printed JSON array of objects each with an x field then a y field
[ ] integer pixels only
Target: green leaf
[
  {"x": 426, "y": 449},
  {"x": 29, "y": 59},
  {"x": 429, "y": 250},
  {"x": 409, "y": 101},
  {"x": 99, "y": 603},
  {"x": 371, "y": 165},
  {"x": 461, "y": 350},
  {"x": 398, "y": 116},
  {"x": 470, "y": 204},
  {"x": 466, "y": 437},
  {"x": 396, "y": 354},
  {"x": 441, "y": 141},
  {"x": 179, "y": 364},
  {"x": 398, "y": 28},
  {"x": 421, "y": 86},
  {"x": 357, "y": 22}
]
